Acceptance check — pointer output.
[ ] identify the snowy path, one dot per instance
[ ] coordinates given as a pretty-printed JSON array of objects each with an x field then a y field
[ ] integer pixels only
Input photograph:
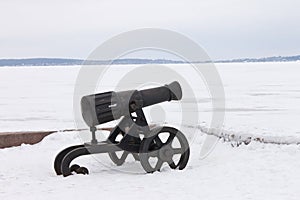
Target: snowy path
[{"x": 257, "y": 171}]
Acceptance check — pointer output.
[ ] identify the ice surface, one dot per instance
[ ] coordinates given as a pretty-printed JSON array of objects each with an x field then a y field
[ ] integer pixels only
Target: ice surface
[{"x": 261, "y": 98}]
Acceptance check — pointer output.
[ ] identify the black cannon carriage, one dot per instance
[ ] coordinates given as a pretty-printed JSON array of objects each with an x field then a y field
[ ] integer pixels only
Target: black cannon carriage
[{"x": 138, "y": 138}]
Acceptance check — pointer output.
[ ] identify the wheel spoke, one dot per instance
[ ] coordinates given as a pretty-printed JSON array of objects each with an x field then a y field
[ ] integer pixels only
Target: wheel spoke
[
  {"x": 152, "y": 153},
  {"x": 159, "y": 142},
  {"x": 178, "y": 150},
  {"x": 158, "y": 164},
  {"x": 135, "y": 156},
  {"x": 124, "y": 155},
  {"x": 170, "y": 139},
  {"x": 172, "y": 164}
]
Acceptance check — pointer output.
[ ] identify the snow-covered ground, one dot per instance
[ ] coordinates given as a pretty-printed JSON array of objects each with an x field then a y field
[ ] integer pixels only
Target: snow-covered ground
[
  {"x": 256, "y": 171},
  {"x": 261, "y": 99}
]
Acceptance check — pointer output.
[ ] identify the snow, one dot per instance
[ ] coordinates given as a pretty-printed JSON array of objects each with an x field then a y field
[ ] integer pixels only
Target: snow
[
  {"x": 262, "y": 99},
  {"x": 256, "y": 171}
]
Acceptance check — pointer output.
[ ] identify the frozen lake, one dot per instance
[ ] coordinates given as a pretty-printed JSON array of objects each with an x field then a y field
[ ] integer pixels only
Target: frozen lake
[{"x": 261, "y": 98}]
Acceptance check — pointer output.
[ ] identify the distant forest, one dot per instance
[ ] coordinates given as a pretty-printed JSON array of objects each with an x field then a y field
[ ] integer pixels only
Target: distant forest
[{"x": 62, "y": 61}]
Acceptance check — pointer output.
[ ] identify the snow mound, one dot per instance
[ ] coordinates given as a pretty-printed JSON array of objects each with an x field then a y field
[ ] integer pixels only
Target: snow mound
[{"x": 237, "y": 138}]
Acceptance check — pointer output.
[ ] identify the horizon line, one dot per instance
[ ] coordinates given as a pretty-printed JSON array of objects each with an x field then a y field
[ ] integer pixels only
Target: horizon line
[{"x": 138, "y": 58}]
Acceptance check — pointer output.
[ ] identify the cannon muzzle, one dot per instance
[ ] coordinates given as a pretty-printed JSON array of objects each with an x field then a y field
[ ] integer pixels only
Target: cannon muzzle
[{"x": 104, "y": 107}]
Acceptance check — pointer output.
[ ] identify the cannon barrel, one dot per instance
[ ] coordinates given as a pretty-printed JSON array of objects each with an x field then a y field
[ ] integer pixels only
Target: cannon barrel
[{"x": 104, "y": 107}]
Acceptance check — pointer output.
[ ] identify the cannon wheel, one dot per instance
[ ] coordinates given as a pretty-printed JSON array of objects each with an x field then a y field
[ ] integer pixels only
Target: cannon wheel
[
  {"x": 162, "y": 152},
  {"x": 113, "y": 155}
]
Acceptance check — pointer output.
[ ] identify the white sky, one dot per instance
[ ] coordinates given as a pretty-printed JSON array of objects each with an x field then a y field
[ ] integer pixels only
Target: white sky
[{"x": 224, "y": 28}]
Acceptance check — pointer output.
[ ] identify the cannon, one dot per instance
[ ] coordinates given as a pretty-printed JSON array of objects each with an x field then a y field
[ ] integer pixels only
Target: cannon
[{"x": 144, "y": 142}]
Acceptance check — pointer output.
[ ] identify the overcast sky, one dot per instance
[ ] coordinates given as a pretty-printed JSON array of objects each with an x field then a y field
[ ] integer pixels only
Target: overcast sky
[{"x": 224, "y": 28}]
